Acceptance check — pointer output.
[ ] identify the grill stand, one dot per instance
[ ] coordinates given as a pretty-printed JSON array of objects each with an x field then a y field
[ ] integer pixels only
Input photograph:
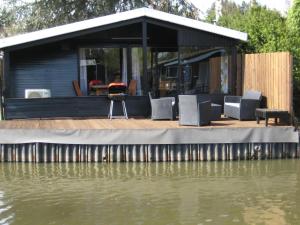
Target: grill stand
[{"x": 111, "y": 109}]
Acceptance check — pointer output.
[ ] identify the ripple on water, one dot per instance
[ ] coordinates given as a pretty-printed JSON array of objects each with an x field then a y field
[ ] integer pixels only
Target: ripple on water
[
  {"x": 6, "y": 214},
  {"x": 163, "y": 193}
]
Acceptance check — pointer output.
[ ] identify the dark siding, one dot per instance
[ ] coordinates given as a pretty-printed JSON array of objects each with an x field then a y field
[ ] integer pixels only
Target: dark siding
[
  {"x": 43, "y": 68},
  {"x": 190, "y": 37},
  {"x": 137, "y": 106}
]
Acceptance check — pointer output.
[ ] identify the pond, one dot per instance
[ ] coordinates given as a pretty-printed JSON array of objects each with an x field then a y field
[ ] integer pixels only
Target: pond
[{"x": 245, "y": 192}]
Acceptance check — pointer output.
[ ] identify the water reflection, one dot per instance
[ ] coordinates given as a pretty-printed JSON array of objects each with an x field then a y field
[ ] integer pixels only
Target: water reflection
[
  {"x": 5, "y": 214},
  {"x": 251, "y": 192},
  {"x": 129, "y": 170}
]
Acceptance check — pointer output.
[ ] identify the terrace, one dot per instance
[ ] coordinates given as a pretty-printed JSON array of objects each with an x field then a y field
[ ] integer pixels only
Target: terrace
[
  {"x": 164, "y": 54},
  {"x": 143, "y": 140},
  {"x": 106, "y": 124}
]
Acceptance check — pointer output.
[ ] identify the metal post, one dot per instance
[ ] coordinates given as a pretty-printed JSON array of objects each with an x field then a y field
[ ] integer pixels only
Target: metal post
[
  {"x": 233, "y": 88},
  {"x": 179, "y": 74},
  {"x": 4, "y": 82},
  {"x": 145, "y": 55},
  {"x": 157, "y": 75},
  {"x": 1, "y": 88}
]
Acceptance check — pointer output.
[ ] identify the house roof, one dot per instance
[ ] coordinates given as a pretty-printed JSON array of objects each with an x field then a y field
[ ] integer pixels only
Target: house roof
[{"x": 119, "y": 17}]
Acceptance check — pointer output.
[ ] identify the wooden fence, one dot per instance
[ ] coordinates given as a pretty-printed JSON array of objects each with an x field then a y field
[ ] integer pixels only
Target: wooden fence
[{"x": 270, "y": 73}]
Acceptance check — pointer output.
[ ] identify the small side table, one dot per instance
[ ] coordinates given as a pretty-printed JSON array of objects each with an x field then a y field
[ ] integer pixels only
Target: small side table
[
  {"x": 216, "y": 111},
  {"x": 271, "y": 113}
]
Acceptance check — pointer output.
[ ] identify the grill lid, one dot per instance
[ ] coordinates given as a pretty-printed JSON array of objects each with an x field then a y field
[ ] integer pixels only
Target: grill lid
[{"x": 117, "y": 88}]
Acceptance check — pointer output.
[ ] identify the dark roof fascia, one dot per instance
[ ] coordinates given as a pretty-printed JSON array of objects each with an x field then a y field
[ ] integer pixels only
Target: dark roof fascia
[
  {"x": 74, "y": 34},
  {"x": 180, "y": 27},
  {"x": 106, "y": 27}
]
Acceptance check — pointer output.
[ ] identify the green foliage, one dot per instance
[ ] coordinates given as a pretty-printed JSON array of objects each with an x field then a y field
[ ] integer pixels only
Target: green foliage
[
  {"x": 40, "y": 14},
  {"x": 266, "y": 28},
  {"x": 293, "y": 25},
  {"x": 268, "y": 31},
  {"x": 7, "y": 19},
  {"x": 4, "y": 21},
  {"x": 56, "y": 12}
]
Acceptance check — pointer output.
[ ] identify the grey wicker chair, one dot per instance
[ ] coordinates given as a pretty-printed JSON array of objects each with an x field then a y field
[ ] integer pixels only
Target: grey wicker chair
[
  {"x": 194, "y": 112},
  {"x": 162, "y": 108},
  {"x": 242, "y": 107}
]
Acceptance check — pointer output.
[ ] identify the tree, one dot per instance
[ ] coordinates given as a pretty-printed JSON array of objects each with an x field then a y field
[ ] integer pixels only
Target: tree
[
  {"x": 40, "y": 14},
  {"x": 266, "y": 28},
  {"x": 268, "y": 31},
  {"x": 7, "y": 19},
  {"x": 293, "y": 25}
]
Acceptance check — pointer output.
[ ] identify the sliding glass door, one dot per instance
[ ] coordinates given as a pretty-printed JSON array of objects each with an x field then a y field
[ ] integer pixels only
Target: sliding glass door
[
  {"x": 106, "y": 65},
  {"x": 100, "y": 66}
]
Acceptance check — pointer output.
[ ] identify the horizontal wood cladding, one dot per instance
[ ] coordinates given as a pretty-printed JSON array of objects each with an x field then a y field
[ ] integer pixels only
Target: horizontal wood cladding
[
  {"x": 73, "y": 107},
  {"x": 45, "y": 67}
]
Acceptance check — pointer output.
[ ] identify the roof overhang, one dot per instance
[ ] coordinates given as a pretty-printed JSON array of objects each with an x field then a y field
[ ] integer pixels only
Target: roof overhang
[{"x": 117, "y": 18}]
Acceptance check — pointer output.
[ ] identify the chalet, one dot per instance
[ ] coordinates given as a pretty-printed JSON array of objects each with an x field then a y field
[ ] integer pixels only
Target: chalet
[{"x": 124, "y": 46}]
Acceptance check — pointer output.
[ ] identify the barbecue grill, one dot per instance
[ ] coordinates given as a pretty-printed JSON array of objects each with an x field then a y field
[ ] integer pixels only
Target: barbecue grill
[{"x": 117, "y": 92}]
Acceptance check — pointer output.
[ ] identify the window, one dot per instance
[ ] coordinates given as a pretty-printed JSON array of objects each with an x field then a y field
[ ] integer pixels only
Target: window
[
  {"x": 167, "y": 63},
  {"x": 99, "y": 66},
  {"x": 106, "y": 65}
]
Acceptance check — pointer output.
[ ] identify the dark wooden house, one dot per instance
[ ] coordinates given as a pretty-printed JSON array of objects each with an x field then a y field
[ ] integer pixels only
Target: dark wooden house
[{"x": 121, "y": 47}]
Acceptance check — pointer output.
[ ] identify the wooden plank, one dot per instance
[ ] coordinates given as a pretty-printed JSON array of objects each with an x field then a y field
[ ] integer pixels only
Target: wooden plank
[
  {"x": 270, "y": 73},
  {"x": 119, "y": 124},
  {"x": 233, "y": 73},
  {"x": 239, "y": 85},
  {"x": 215, "y": 75}
]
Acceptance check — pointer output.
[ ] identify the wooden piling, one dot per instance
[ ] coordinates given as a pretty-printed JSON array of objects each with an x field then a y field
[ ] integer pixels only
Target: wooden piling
[{"x": 43, "y": 152}]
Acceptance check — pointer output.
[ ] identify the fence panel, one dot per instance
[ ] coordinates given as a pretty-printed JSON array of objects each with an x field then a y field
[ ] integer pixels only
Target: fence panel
[{"x": 270, "y": 73}]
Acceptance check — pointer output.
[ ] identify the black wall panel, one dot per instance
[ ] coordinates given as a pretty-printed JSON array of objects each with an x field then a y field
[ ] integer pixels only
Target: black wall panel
[
  {"x": 190, "y": 37},
  {"x": 50, "y": 67},
  {"x": 97, "y": 106}
]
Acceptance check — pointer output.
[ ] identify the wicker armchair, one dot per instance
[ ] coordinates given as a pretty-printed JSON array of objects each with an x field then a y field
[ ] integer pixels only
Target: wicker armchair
[
  {"x": 193, "y": 111},
  {"x": 242, "y": 107},
  {"x": 162, "y": 108}
]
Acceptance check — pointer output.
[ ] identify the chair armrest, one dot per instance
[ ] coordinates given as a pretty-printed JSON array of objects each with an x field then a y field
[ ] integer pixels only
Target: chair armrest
[
  {"x": 232, "y": 99},
  {"x": 204, "y": 112},
  {"x": 206, "y": 106},
  {"x": 249, "y": 103},
  {"x": 172, "y": 99},
  {"x": 248, "y": 107},
  {"x": 162, "y": 108},
  {"x": 164, "y": 101}
]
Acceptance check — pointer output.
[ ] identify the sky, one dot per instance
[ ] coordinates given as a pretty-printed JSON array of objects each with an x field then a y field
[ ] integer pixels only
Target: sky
[{"x": 280, "y": 5}]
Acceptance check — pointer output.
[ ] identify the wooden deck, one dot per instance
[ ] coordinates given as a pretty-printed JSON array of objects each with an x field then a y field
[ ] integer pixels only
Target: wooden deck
[
  {"x": 119, "y": 140},
  {"x": 121, "y": 124}
]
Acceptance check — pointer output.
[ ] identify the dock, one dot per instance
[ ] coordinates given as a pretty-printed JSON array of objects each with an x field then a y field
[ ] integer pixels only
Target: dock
[{"x": 143, "y": 140}]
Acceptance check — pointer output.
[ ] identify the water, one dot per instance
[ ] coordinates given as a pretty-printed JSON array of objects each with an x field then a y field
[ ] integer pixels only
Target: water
[{"x": 249, "y": 192}]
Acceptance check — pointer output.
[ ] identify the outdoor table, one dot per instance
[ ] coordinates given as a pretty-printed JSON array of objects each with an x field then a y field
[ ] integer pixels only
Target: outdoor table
[
  {"x": 271, "y": 113},
  {"x": 100, "y": 89}
]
